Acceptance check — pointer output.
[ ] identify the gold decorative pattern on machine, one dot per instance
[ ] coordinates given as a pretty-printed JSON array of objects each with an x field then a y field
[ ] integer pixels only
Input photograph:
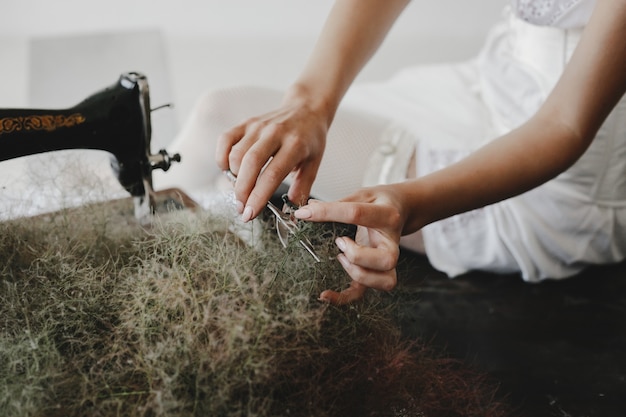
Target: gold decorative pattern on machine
[{"x": 39, "y": 122}]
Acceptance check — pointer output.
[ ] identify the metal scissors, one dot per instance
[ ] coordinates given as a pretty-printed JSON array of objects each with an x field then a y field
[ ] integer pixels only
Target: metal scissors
[{"x": 286, "y": 225}]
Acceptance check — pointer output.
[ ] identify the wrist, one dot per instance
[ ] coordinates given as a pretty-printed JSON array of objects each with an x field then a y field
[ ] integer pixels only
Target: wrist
[
  {"x": 302, "y": 94},
  {"x": 415, "y": 205}
]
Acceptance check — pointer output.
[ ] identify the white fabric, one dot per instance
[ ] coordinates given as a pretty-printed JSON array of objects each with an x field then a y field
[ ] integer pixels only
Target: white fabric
[
  {"x": 553, "y": 231},
  {"x": 390, "y": 161},
  {"x": 566, "y": 14}
]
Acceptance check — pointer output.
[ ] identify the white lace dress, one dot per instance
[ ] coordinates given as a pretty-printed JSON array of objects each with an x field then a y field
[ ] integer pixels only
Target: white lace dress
[{"x": 564, "y": 14}]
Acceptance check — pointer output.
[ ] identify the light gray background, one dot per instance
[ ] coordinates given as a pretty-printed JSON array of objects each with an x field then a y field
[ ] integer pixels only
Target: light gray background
[{"x": 215, "y": 43}]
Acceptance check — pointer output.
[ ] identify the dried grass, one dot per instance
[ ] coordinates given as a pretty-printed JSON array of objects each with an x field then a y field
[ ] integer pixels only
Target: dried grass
[{"x": 100, "y": 317}]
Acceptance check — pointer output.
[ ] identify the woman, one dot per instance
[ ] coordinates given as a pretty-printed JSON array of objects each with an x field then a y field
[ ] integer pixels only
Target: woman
[{"x": 528, "y": 141}]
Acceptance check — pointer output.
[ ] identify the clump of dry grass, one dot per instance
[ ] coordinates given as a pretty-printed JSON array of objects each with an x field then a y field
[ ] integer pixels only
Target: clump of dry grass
[{"x": 101, "y": 317}]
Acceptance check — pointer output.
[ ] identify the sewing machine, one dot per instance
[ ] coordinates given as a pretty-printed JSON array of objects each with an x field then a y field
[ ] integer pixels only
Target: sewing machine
[{"x": 115, "y": 119}]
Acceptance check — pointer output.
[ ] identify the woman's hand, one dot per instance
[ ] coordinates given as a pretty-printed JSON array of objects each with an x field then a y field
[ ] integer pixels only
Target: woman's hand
[
  {"x": 263, "y": 150},
  {"x": 371, "y": 258}
]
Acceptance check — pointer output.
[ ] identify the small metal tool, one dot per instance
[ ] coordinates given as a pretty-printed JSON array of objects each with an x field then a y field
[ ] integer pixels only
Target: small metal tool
[{"x": 286, "y": 225}]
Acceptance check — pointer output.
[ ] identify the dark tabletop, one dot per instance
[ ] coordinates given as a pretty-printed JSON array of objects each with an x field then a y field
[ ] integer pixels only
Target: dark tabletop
[{"x": 557, "y": 348}]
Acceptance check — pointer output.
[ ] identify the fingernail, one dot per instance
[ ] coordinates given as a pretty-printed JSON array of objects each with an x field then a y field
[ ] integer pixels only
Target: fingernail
[
  {"x": 343, "y": 260},
  {"x": 325, "y": 296},
  {"x": 340, "y": 244},
  {"x": 239, "y": 206},
  {"x": 303, "y": 213},
  {"x": 247, "y": 214}
]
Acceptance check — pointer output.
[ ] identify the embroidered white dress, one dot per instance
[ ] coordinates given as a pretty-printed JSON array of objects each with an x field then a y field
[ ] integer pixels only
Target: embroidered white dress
[{"x": 564, "y": 14}]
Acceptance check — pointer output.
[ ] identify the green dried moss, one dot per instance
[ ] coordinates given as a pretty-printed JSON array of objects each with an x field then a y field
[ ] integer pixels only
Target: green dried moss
[{"x": 101, "y": 317}]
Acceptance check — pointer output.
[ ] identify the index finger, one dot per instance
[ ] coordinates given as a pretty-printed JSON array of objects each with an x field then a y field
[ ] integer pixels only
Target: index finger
[{"x": 363, "y": 214}]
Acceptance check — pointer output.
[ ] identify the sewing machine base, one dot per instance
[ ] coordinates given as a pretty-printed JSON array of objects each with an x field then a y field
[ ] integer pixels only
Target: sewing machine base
[{"x": 121, "y": 211}]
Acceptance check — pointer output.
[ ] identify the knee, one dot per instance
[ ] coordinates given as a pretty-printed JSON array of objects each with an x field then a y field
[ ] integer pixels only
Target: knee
[{"x": 232, "y": 105}]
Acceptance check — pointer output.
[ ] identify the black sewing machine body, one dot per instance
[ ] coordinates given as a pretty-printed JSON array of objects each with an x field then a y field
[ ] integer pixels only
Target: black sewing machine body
[{"x": 115, "y": 119}]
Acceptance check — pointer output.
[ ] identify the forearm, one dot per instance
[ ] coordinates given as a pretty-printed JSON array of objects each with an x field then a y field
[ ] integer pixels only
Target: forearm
[
  {"x": 352, "y": 33},
  {"x": 517, "y": 162}
]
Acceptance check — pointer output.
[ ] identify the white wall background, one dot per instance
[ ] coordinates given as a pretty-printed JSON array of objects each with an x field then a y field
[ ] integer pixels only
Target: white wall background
[
  {"x": 222, "y": 17},
  {"x": 215, "y": 43}
]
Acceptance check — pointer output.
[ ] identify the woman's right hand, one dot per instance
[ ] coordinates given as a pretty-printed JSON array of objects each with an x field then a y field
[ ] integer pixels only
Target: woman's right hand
[{"x": 264, "y": 149}]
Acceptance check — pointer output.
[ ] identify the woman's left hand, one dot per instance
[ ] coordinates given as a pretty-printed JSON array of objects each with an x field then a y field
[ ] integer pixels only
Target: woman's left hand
[{"x": 371, "y": 258}]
